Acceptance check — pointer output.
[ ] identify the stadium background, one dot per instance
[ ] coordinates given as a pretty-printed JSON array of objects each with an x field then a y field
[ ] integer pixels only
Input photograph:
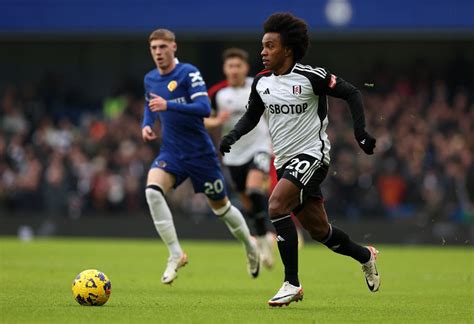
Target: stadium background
[{"x": 72, "y": 161}]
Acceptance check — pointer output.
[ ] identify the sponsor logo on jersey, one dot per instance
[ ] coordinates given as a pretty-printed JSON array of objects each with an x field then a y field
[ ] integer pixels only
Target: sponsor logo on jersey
[
  {"x": 172, "y": 85},
  {"x": 287, "y": 108},
  {"x": 179, "y": 100},
  {"x": 297, "y": 90},
  {"x": 267, "y": 91},
  {"x": 196, "y": 79}
]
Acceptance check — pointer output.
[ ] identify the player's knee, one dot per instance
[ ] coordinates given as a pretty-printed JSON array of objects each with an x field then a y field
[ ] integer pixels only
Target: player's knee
[
  {"x": 154, "y": 194},
  {"x": 258, "y": 201},
  {"x": 222, "y": 209},
  {"x": 277, "y": 207}
]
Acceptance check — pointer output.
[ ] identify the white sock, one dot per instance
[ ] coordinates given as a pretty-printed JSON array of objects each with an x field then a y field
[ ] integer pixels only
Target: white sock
[
  {"x": 234, "y": 220},
  {"x": 163, "y": 221}
]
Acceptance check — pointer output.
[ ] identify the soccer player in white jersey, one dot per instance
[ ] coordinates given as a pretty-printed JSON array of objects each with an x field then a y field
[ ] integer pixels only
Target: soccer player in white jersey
[
  {"x": 250, "y": 159},
  {"x": 294, "y": 97}
]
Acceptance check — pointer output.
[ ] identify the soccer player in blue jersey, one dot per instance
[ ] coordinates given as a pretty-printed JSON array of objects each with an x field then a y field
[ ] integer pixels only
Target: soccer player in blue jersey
[{"x": 176, "y": 95}]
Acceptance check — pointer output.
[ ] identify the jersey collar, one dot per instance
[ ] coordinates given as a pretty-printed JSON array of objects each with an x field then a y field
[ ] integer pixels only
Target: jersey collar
[{"x": 287, "y": 71}]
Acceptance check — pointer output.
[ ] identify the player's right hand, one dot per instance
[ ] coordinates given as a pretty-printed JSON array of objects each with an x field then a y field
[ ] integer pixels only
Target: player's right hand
[
  {"x": 148, "y": 134},
  {"x": 226, "y": 143}
]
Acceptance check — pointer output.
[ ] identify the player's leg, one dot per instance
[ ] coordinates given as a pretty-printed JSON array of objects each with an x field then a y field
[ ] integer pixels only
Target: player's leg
[
  {"x": 258, "y": 212},
  {"x": 255, "y": 187},
  {"x": 159, "y": 182},
  {"x": 250, "y": 181},
  {"x": 207, "y": 178},
  {"x": 313, "y": 218},
  {"x": 287, "y": 197},
  {"x": 273, "y": 180},
  {"x": 236, "y": 224},
  {"x": 284, "y": 198}
]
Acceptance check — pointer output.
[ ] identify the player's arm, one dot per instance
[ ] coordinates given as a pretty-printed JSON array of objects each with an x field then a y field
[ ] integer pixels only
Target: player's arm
[
  {"x": 216, "y": 120},
  {"x": 198, "y": 107},
  {"x": 197, "y": 91},
  {"x": 339, "y": 88},
  {"x": 196, "y": 88},
  {"x": 247, "y": 122},
  {"x": 148, "y": 121}
]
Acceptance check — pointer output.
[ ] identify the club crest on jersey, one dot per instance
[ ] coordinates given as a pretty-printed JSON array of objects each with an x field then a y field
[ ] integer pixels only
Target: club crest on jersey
[
  {"x": 162, "y": 164},
  {"x": 297, "y": 90},
  {"x": 172, "y": 85}
]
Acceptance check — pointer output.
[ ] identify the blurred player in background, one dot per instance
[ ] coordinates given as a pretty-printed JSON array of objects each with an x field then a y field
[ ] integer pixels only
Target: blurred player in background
[
  {"x": 294, "y": 96},
  {"x": 249, "y": 161},
  {"x": 176, "y": 94}
]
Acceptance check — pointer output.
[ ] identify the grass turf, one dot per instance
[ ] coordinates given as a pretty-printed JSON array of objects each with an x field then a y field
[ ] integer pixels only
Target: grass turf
[{"x": 419, "y": 284}]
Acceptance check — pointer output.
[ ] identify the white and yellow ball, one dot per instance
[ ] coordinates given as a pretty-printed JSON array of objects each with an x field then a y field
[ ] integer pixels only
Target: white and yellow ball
[{"x": 91, "y": 288}]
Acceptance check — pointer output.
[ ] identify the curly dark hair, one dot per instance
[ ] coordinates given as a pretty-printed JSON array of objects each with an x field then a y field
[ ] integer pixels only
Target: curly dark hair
[{"x": 293, "y": 32}]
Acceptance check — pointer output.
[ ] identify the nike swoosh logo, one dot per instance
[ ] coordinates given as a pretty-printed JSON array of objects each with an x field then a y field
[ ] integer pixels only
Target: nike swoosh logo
[
  {"x": 275, "y": 299},
  {"x": 371, "y": 287}
]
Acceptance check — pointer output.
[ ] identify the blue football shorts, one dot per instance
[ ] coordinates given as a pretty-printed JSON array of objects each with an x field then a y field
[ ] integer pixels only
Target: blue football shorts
[{"x": 205, "y": 173}]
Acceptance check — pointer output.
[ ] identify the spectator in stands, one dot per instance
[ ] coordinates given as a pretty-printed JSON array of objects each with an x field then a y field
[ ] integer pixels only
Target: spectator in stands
[{"x": 422, "y": 124}]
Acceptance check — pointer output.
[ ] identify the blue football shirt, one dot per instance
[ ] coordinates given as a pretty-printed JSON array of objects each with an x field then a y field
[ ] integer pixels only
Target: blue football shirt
[{"x": 183, "y": 132}]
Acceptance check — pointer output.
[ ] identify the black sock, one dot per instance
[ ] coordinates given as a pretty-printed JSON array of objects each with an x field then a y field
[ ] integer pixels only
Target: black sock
[
  {"x": 338, "y": 241},
  {"x": 260, "y": 225},
  {"x": 258, "y": 212},
  {"x": 287, "y": 239}
]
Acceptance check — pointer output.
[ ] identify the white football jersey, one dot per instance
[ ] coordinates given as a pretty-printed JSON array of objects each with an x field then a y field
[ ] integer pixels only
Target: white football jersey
[
  {"x": 234, "y": 100},
  {"x": 296, "y": 108}
]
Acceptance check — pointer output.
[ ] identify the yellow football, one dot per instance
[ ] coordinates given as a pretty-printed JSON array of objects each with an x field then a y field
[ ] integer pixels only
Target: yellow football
[{"x": 91, "y": 288}]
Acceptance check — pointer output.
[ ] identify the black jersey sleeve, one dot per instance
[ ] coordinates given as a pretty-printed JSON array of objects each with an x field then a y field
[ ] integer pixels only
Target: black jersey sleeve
[
  {"x": 325, "y": 83},
  {"x": 250, "y": 119}
]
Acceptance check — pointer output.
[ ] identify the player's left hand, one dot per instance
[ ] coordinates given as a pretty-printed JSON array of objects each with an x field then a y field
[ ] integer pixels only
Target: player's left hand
[
  {"x": 157, "y": 103},
  {"x": 226, "y": 143},
  {"x": 366, "y": 141}
]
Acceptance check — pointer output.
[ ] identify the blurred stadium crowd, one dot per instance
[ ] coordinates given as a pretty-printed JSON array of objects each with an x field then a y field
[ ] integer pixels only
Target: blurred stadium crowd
[{"x": 69, "y": 162}]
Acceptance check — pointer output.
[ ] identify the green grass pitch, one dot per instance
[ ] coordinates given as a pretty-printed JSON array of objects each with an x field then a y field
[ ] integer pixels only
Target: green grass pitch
[{"x": 419, "y": 284}]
